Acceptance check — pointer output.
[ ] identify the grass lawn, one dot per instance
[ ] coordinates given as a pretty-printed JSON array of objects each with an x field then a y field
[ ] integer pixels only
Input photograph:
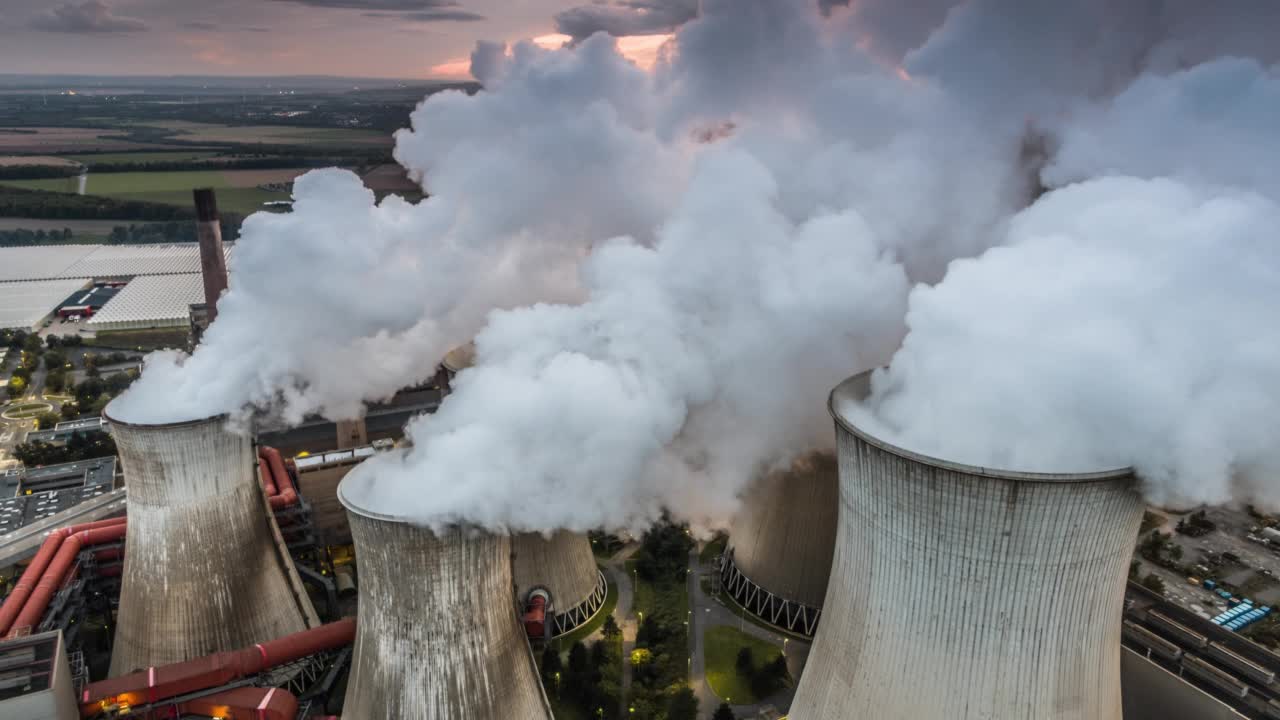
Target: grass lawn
[
  {"x": 271, "y": 134},
  {"x": 24, "y": 407},
  {"x": 610, "y": 602},
  {"x": 237, "y": 191},
  {"x": 722, "y": 644}
]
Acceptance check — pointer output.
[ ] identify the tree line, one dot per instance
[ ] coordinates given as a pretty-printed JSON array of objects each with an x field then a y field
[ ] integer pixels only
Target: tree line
[{"x": 44, "y": 205}]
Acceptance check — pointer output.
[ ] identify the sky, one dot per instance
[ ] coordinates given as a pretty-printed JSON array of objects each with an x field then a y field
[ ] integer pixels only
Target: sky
[{"x": 354, "y": 38}]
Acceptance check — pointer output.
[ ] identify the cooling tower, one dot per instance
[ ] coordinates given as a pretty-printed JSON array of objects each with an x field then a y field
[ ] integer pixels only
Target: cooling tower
[
  {"x": 564, "y": 566},
  {"x": 204, "y": 570},
  {"x": 961, "y": 592},
  {"x": 780, "y": 544},
  {"x": 437, "y": 636}
]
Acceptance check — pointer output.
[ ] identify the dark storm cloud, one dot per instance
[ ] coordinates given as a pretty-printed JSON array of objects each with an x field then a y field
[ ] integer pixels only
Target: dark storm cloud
[
  {"x": 215, "y": 27},
  {"x": 390, "y": 5},
  {"x": 87, "y": 17},
  {"x": 431, "y": 16},
  {"x": 626, "y": 17}
]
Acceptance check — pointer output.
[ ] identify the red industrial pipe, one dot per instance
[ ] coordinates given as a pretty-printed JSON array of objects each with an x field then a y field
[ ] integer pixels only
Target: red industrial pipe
[
  {"x": 57, "y": 572},
  {"x": 268, "y": 479},
  {"x": 18, "y": 598},
  {"x": 161, "y": 683},
  {"x": 287, "y": 495},
  {"x": 245, "y": 703}
]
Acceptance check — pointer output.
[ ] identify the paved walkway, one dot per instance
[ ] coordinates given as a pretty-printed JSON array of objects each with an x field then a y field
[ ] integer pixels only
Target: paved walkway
[
  {"x": 708, "y": 612},
  {"x": 617, "y": 568}
]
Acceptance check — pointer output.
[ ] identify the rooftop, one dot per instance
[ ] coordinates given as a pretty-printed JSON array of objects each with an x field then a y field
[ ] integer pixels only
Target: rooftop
[
  {"x": 24, "y": 304},
  {"x": 153, "y": 298},
  {"x": 56, "y": 262}
]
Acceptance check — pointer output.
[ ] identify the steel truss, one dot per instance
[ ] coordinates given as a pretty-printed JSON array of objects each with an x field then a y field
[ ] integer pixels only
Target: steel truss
[{"x": 773, "y": 609}]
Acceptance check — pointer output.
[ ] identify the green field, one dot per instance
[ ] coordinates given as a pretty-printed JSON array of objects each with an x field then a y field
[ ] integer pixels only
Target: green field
[
  {"x": 236, "y": 188},
  {"x": 722, "y": 644},
  {"x": 141, "y": 157},
  {"x": 270, "y": 134}
]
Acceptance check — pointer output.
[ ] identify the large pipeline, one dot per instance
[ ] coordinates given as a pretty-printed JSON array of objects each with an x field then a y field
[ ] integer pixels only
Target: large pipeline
[
  {"x": 280, "y": 490},
  {"x": 36, "y": 571},
  {"x": 161, "y": 683}
]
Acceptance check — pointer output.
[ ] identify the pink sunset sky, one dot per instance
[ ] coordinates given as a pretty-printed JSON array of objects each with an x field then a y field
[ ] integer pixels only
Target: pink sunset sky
[{"x": 354, "y": 38}]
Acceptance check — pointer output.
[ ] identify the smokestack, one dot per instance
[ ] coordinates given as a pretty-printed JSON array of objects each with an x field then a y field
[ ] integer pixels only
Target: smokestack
[
  {"x": 778, "y": 558},
  {"x": 213, "y": 262},
  {"x": 563, "y": 566},
  {"x": 963, "y": 592},
  {"x": 351, "y": 434},
  {"x": 205, "y": 569},
  {"x": 437, "y": 634}
]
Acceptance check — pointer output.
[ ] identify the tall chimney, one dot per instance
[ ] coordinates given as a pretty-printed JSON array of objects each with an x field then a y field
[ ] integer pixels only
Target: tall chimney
[
  {"x": 352, "y": 433},
  {"x": 213, "y": 263}
]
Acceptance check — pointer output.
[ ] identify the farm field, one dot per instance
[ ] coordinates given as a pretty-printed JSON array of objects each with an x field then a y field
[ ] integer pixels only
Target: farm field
[
  {"x": 17, "y": 160},
  {"x": 272, "y": 134},
  {"x": 58, "y": 140},
  {"x": 237, "y": 189}
]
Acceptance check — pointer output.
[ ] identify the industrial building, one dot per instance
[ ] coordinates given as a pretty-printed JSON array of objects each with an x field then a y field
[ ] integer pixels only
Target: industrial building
[
  {"x": 155, "y": 301},
  {"x": 32, "y": 495},
  {"x": 963, "y": 592},
  {"x": 778, "y": 557},
  {"x": 37, "y": 282},
  {"x": 206, "y": 568},
  {"x": 25, "y": 305},
  {"x": 437, "y": 634}
]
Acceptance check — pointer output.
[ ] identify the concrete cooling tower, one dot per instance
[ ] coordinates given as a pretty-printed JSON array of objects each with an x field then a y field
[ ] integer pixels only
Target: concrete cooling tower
[
  {"x": 205, "y": 569},
  {"x": 780, "y": 544},
  {"x": 967, "y": 593},
  {"x": 437, "y": 635},
  {"x": 564, "y": 567}
]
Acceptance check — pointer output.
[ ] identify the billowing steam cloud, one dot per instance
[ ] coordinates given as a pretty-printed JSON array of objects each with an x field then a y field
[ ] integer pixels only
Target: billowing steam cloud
[
  {"x": 699, "y": 299},
  {"x": 1126, "y": 320},
  {"x": 344, "y": 300}
]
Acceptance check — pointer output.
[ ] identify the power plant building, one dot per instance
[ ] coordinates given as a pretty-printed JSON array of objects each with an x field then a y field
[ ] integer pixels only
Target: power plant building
[
  {"x": 778, "y": 558},
  {"x": 437, "y": 634},
  {"x": 963, "y": 592},
  {"x": 205, "y": 568}
]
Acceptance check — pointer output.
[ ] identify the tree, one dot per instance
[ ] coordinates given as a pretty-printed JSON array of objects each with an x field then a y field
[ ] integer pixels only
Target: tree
[
  {"x": 17, "y": 386},
  {"x": 746, "y": 664},
  {"x": 1153, "y": 583},
  {"x": 32, "y": 343},
  {"x": 769, "y": 678},
  {"x": 724, "y": 712},
  {"x": 69, "y": 410},
  {"x": 578, "y": 657},
  {"x": 683, "y": 705},
  {"x": 551, "y": 665},
  {"x": 610, "y": 627},
  {"x": 46, "y": 421}
]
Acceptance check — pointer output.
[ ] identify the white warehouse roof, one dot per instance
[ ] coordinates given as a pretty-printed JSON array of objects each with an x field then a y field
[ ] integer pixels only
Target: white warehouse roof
[
  {"x": 25, "y": 304},
  {"x": 98, "y": 261},
  {"x": 39, "y": 262},
  {"x": 151, "y": 301}
]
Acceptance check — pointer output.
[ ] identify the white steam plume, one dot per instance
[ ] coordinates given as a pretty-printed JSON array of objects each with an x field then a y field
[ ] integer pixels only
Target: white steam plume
[
  {"x": 698, "y": 300},
  {"x": 1126, "y": 321},
  {"x": 344, "y": 300}
]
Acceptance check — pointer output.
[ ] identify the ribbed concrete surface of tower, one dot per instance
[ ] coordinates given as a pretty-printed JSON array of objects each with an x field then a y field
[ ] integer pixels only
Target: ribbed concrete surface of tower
[
  {"x": 780, "y": 544},
  {"x": 964, "y": 593},
  {"x": 205, "y": 569},
  {"x": 437, "y": 636},
  {"x": 564, "y": 566}
]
